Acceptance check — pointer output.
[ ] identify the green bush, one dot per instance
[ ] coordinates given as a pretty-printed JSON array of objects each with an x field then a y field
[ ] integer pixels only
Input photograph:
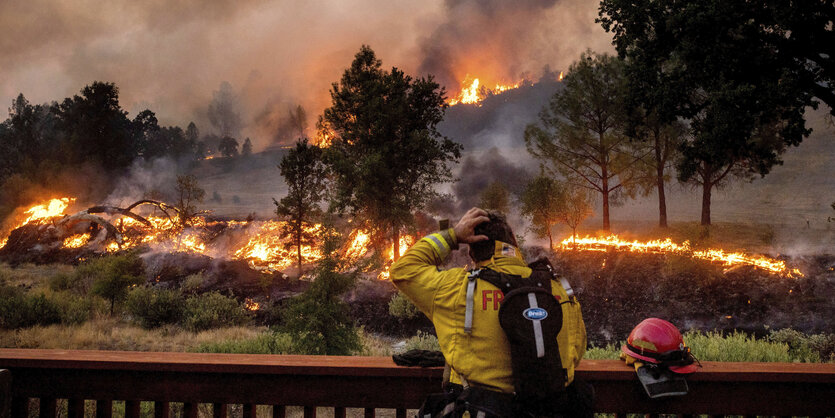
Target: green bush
[
  {"x": 401, "y": 307},
  {"x": 64, "y": 281},
  {"x": 781, "y": 346},
  {"x": 110, "y": 277},
  {"x": 19, "y": 310},
  {"x": 736, "y": 346},
  {"x": 192, "y": 282},
  {"x": 319, "y": 319},
  {"x": 267, "y": 343},
  {"x": 422, "y": 341},
  {"x": 73, "y": 309},
  {"x": 152, "y": 307},
  {"x": 809, "y": 348},
  {"x": 13, "y": 310},
  {"x": 213, "y": 310},
  {"x": 609, "y": 352}
]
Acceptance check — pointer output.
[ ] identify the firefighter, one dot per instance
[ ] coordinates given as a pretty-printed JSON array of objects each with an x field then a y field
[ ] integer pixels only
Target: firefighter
[{"x": 480, "y": 358}]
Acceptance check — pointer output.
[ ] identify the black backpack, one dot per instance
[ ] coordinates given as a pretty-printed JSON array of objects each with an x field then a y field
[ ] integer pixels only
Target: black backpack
[{"x": 531, "y": 317}]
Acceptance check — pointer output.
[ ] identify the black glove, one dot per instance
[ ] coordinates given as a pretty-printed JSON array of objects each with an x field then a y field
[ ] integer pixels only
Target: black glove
[{"x": 422, "y": 358}]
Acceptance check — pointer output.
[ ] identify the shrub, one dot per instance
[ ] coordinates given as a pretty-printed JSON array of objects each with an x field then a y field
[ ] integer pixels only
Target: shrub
[
  {"x": 73, "y": 309},
  {"x": 607, "y": 352},
  {"x": 402, "y": 307},
  {"x": 318, "y": 319},
  {"x": 736, "y": 346},
  {"x": 267, "y": 343},
  {"x": 811, "y": 348},
  {"x": 192, "y": 282},
  {"x": 739, "y": 346},
  {"x": 422, "y": 341},
  {"x": 13, "y": 309},
  {"x": 19, "y": 310},
  {"x": 152, "y": 307},
  {"x": 111, "y": 276},
  {"x": 213, "y": 310},
  {"x": 63, "y": 281}
]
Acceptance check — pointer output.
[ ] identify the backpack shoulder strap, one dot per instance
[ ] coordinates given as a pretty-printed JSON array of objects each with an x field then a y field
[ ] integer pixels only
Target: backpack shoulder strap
[
  {"x": 505, "y": 282},
  {"x": 543, "y": 265}
]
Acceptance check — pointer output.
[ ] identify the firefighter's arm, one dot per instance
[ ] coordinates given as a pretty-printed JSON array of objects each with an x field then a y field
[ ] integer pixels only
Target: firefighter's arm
[{"x": 416, "y": 273}]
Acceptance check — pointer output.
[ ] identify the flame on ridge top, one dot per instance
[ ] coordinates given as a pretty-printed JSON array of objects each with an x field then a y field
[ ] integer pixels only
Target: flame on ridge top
[
  {"x": 473, "y": 92},
  {"x": 666, "y": 245}
]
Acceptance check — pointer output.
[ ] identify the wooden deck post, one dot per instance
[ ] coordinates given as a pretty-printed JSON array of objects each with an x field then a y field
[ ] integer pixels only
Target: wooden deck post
[{"x": 5, "y": 393}]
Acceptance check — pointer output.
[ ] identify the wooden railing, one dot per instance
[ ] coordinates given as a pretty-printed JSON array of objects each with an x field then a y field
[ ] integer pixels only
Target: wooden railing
[{"x": 779, "y": 389}]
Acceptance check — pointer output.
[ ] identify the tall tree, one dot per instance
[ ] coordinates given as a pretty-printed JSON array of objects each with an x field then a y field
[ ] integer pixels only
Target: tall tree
[
  {"x": 228, "y": 146},
  {"x": 386, "y": 154},
  {"x": 21, "y": 138},
  {"x": 580, "y": 135},
  {"x": 298, "y": 120},
  {"x": 542, "y": 202},
  {"x": 575, "y": 209},
  {"x": 547, "y": 202},
  {"x": 495, "y": 197},
  {"x": 736, "y": 72},
  {"x": 246, "y": 148},
  {"x": 304, "y": 174},
  {"x": 659, "y": 143},
  {"x": 96, "y": 128},
  {"x": 223, "y": 111}
]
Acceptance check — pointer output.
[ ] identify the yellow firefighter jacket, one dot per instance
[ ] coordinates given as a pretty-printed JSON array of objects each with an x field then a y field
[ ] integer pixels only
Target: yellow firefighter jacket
[{"x": 483, "y": 356}]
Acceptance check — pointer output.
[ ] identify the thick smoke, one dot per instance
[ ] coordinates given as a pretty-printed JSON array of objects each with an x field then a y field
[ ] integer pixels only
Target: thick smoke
[
  {"x": 171, "y": 56},
  {"x": 478, "y": 171},
  {"x": 146, "y": 180},
  {"x": 500, "y": 41}
]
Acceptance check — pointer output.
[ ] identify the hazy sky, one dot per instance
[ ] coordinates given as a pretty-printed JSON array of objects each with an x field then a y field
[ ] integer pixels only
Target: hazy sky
[{"x": 170, "y": 56}]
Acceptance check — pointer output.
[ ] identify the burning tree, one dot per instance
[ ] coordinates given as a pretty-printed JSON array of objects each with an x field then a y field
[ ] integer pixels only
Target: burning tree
[
  {"x": 189, "y": 194},
  {"x": 386, "y": 154},
  {"x": 581, "y": 132},
  {"x": 304, "y": 174}
]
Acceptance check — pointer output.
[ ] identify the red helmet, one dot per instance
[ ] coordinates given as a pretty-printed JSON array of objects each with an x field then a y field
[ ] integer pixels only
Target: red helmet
[{"x": 659, "y": 342}]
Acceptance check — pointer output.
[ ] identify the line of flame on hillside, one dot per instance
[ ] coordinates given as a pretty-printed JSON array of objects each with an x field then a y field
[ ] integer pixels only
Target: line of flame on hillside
[
  {"x": 667, "y": 246},
  {"x": 260, "y": 243}
]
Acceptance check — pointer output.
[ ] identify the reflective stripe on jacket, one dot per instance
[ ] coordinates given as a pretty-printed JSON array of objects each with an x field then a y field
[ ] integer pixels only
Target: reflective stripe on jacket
[{"x": 482, "y": 357}]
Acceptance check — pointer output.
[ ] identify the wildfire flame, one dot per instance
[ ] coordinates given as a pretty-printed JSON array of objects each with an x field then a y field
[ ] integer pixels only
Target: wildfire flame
[
  {"x": 266, "y": 248},
  {"x": 51, "y": 209},
  {"x": 473, "y": 92},
  {"x": 41, "y": 212},
  {"x": 251, "y": 305},
  {"x": 406, "y": 241},
  {"x": 76, "y": 241},
  {"x": 667, "y": 246}
]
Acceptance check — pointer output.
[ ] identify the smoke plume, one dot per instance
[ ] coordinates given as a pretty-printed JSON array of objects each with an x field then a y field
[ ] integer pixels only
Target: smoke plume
[
  {"x": 171, "y": 56},
  {"x": 500, "y": 41}
]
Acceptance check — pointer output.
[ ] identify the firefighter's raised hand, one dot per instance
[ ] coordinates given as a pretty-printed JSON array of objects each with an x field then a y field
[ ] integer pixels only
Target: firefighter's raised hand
[{"x": 465, "y": 229}]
